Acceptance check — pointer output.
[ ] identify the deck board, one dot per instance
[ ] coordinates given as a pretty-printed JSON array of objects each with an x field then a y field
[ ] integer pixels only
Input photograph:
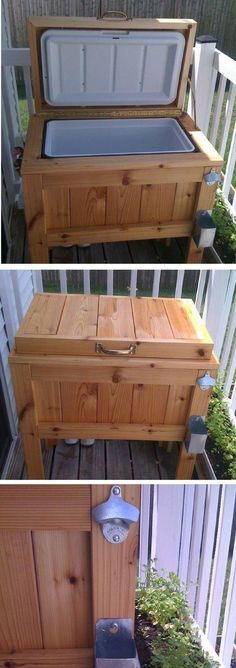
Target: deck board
[
  {"x": 134, "y": 252},
  {"x": 105, "y": 460}
]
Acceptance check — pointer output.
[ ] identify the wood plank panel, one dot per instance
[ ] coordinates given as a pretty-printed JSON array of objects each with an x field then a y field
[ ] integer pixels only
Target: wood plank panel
[
  {"x": 123, "y": 205},
  {"x": 59, "y": 658},
  {"x": 79, "y": 318},
  {"x": 79, "y": 402},
  {"x": 114, "y": 566},
  {"x": 114, "y": 403},
  {"x": 150, "y": 320},
  {"x": 115, "y": 318},
  {"x": 19, "y": 617},
  {"x": 177, "y": 405},
  {"x": 184, "y": 201},
  {"x": 104, "y": 430},
  {"x": 149, "y": 404},
  {"x": 47, "y": 400},
  {"x": 43, "y": 315},
  {"x": 45, "y": 507},
  {"x": 185, "y": 321},
  {"x": 56, "y": 208},
  {"x": 88, "y": 206},
  {"x": 157, "y": 203},
  {"x": 63, "y": 566}
]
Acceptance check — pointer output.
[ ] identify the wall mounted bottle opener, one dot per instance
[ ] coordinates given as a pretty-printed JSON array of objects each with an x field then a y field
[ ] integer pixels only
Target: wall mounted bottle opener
[{"x": 115, "y": 516}]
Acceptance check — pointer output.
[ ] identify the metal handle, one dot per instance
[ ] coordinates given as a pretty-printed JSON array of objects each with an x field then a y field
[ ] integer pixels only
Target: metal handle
[
  {"x": 99, "y": 348},
  {"x": 122, "y": 16}
]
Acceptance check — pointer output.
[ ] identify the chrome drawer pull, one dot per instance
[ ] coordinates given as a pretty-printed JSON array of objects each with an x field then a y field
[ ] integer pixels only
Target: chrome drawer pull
[{"x": 130, "y": 351}]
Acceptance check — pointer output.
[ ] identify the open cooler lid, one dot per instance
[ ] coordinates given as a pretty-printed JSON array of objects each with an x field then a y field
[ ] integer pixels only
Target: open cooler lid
[
  {"x": 75, "y": 324},
  {"x": 111, "y": 67}
]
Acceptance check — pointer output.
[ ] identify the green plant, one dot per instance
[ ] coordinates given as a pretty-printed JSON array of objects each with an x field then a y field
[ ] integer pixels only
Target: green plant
[
  {"x": 221, "y": 429},
  {"x": 166, "y": 625},
  {"x": 225, "y": 241}
]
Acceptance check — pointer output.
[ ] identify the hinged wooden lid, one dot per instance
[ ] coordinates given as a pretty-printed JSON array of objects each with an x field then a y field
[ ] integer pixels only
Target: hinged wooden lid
[
  {"x": 109, "y": 63},
  {"x": 146, "y": 327}
]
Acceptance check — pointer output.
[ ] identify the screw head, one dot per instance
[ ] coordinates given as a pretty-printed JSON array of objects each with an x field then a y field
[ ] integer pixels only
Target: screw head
[
  {"x": 116, "y": 538},
  {"x": 116, "y": 490}
]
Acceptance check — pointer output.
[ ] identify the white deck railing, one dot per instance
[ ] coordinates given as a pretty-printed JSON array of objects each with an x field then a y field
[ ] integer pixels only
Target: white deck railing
[
  {"x": 190, "y": 530},
  {"x": 214, "y": 110}
]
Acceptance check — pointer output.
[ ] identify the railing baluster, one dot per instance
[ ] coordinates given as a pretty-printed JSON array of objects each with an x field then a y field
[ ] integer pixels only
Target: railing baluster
[
  {"x": 228, "y": 633},
  {"x": 179, "y": 283},
  {"x": 156, "y": 283},
  {"x": 144, "y": 531},
  {"x": 86, "y": 279},
  {"x": 200, "y": 289},
  {"x": 227, "y": 118},
  {"x": 230, "y": 373},
  {"x": 63, "y": 280},
  {"x": 133, "y": 282},
  {"x": 218, "y": 107},
  {"x": 37, "y": 280},
  {"x": 28, "y": 89},
  {"x": 110, "y": 282},
  {"x": 230, "y": 166},
  {"x": 220, "y": 562},
  {"x": 206, "y": 553}
]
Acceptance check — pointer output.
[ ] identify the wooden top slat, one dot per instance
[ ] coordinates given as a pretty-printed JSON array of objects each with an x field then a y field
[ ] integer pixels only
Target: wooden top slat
[
  {"x": 44, "y": 315},
  {"x": 184, "y": 320},
  {"x": 115, "y": 318},
  {"x": 150, "y": 319},
  {"x": 72, "y": 324},
  {"x": 79, "y": 316}
]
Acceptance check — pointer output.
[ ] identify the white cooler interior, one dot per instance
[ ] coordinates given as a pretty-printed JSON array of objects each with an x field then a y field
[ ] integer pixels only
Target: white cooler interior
[
  {"x": 68, "y": 138},
  {"x": 111, "y": 67}
]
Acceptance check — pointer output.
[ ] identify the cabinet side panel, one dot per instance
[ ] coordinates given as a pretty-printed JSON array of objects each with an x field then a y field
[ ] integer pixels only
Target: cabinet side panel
[{"x": 63, "y": 567}]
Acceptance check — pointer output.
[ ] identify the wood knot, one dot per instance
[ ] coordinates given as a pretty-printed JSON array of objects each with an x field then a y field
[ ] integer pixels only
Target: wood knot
[
  {"x": 116, "y": 378},
  {"x": 126, "y": 180},
  {"x": 72, "y": 579},
  {"x": 201, "y": 353}
]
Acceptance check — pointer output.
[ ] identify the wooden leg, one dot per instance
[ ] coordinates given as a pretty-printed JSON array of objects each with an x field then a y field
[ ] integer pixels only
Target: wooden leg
[
  {"x": 185, "y": 465},
  {"x": 194, "y": 254},
  {"x": 33, "y": 456},
  {"x": 50, "y": 443},
  {"x": 21, "y": 377},
  {"x": 34, "y": 214}
]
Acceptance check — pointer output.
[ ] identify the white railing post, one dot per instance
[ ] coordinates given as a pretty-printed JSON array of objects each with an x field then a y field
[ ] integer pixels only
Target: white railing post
[{"x": 203, "y": 81}]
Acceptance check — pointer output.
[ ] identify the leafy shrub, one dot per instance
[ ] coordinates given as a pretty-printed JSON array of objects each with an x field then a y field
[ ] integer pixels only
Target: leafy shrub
[
  {"x": 225, "y": 241},
  {"x": 162, "y": 607},
  {"x": 221, "y": 429}
]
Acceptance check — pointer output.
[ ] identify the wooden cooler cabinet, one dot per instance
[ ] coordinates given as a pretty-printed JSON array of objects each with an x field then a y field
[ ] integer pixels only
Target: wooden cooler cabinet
[
  {"x": 88, "y": 366},
  {"x": 110, "y": 155}
]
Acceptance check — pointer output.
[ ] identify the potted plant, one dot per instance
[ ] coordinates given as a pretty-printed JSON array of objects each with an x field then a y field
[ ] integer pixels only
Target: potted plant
[
  {"x": 166, "y": 635},
  {"x": 221, "y": 442}
]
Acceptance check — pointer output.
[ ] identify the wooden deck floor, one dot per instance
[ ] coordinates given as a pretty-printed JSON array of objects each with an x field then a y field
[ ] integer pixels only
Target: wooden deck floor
[
  {"x": 105, "y": 460},
  {"x": 132, "y": 252}
]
